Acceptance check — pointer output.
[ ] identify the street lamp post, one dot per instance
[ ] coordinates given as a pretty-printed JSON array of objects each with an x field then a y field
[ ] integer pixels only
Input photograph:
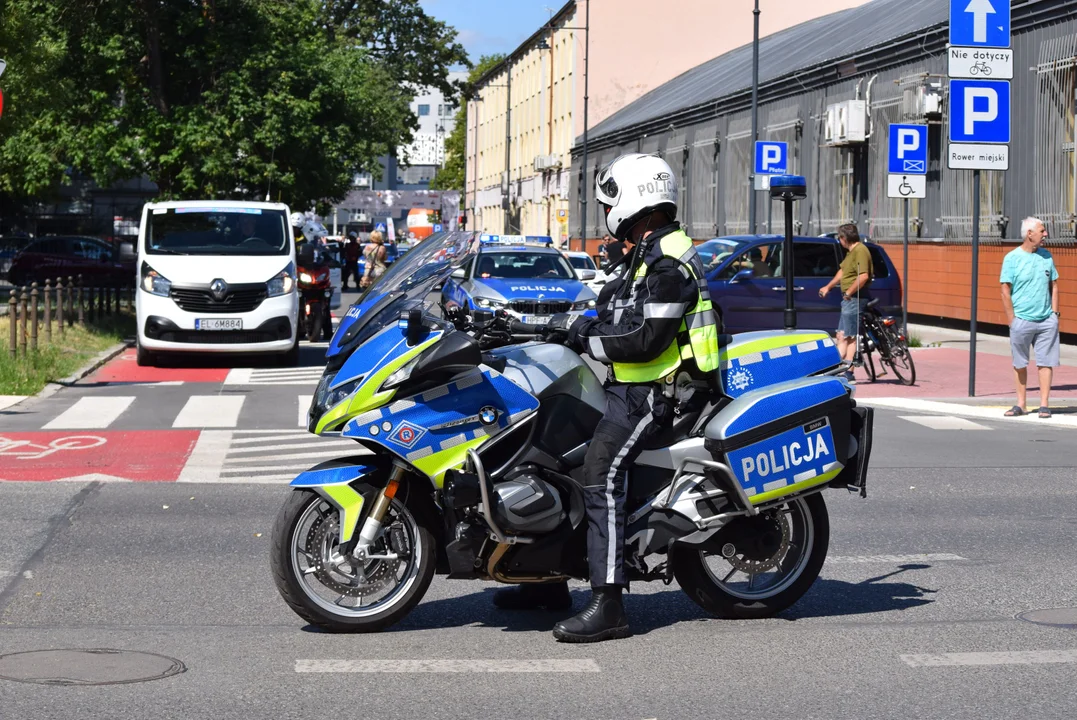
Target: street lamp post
[{"x": 755, "y": 120}]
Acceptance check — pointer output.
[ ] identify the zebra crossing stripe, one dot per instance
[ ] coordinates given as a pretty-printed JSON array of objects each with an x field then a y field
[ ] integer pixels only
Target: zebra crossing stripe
[
  {"x": 90, "y": 413},
  {"x": 210, "y": 411},
  {"x": 304, "y": 407}
]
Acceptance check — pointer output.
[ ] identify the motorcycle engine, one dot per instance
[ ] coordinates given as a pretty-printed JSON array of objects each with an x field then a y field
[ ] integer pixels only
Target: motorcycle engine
[{"x": 526, "y": 504}]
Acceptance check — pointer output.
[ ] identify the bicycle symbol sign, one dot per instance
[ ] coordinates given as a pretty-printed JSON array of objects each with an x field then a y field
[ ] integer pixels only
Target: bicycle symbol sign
[{"x": 26, "y": 450}]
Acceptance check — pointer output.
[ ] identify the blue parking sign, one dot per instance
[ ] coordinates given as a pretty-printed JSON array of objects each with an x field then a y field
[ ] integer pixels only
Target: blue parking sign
[
  {"x": 980, "y": 23},
  {"x": 979, "y": 111},
  {"x": 771, "y": 158},
  {"x": 437, "y": 228},
  {"x": 908, "y": 150}
]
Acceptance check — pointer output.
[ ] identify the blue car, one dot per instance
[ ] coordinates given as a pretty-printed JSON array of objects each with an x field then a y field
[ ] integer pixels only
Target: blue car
[
  {"x": 745, "y": 275},
  {"x": 531, "y": 283}
]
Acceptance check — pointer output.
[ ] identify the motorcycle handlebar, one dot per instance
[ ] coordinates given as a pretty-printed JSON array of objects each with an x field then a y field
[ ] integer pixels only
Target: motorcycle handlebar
[{"x": 521, "y": 328}]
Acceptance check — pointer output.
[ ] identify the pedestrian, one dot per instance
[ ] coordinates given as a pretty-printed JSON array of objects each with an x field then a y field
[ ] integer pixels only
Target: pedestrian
[
  {"x": 352, "y": 251},
  {"x": 854, "y": 275},
  {"x": 654, "y": 322},
  {"x": 602, "y": 250},
  {"x": 1030, "y": 297},
  {"x": 615, "y": 250},
  {"x": 374, "y": 257}
]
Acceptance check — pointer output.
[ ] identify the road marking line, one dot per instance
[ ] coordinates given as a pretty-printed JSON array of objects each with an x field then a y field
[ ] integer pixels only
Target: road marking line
[
  {"x": 314, "y": 443},
  {"x": 272, "y": 440},
  {"x": 327, "y": 453},
  {"x": 973, "y": 411},
  {"x": 944, "y": 422},
  {"x": 90, "y": 413},
  {"x": 304, "y": 406},
  {"x": 252, "y": 434},
  {"x": 7, "y": 401},
  {"x": 289, "y": 371},
  {"x": 210, "y": 411},
  {"x": 447, "y": 666},
  {"x": 238, "y": 376},
  {"x": 924, "y": 557},
  {"x": 253, "y": 479},
  {"x": 1015, "y": 657},
  {"x": 207, "y": 458}
]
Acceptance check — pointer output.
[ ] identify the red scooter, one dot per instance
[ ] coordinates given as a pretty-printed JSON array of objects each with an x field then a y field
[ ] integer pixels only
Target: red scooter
[{"x": 315, "y": 293}]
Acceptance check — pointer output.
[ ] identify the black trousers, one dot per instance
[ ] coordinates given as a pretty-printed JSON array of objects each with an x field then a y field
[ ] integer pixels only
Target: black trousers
[
  {"x": 634, "y": 413},
  {"x": 351, "y": 269}
]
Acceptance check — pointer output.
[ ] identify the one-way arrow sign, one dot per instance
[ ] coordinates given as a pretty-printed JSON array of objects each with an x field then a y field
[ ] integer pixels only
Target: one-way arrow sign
[{"x": 980, "y": 23}]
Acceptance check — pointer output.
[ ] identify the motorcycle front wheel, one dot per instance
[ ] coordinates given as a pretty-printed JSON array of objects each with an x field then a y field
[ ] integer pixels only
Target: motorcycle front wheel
[
  {"x": 314, "y": 325},
  {"x": 336, "y": 592},
  {"x": 761, "y": 567}
]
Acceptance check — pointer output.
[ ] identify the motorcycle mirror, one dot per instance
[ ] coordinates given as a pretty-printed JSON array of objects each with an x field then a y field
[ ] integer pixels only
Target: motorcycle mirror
[{"x": 415, "y": 326}]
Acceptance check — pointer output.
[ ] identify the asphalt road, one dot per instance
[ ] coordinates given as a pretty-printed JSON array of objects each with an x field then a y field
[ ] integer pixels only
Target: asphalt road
[{"x": 963, "y": 529}]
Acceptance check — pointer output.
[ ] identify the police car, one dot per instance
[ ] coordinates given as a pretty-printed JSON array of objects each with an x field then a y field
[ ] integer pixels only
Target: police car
[{"x": 529, "y": 282}]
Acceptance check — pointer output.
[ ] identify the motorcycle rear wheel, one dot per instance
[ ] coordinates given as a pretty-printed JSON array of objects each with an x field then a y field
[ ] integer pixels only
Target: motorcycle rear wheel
[
  {"x": 708, "y": 577},
  {"x": 303, "y": 569}
]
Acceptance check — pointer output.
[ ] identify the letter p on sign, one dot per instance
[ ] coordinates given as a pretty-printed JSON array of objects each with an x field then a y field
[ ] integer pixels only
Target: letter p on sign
[
  {"x": 979, "y": 111},
  {"x": 908, "y": 141}
]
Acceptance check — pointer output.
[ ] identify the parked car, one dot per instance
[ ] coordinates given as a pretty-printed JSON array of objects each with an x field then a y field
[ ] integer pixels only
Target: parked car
[
  {"x": 586, "y": 270},
  {"x": 51, "y": 257},
  {"x": 745, "y": 276}
]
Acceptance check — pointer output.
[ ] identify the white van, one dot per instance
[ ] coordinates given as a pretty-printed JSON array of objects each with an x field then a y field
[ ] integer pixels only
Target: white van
[{"x": 216, "y": 277}]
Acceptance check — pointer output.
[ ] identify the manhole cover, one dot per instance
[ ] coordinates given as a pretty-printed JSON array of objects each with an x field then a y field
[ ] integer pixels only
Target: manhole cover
[
  {"x": 97, "y": 666},
  {"x": 1058, "y": 617}
]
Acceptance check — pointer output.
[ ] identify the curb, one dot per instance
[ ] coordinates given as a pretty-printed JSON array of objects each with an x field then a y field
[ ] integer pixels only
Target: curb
[
  {"x": 941, "y": 407},
  {"x": 97, "y": 361}
]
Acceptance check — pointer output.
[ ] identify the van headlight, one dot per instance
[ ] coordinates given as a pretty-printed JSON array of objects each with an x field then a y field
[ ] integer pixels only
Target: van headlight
[
  {"x": 282, "y": 283},
  {"x": 584, "y": 305},
  {"x": 154, "y": 282}
]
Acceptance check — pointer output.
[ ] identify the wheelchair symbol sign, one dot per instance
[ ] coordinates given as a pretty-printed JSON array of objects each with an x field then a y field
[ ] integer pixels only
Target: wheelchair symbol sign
[{"x": 907, "y": 187}]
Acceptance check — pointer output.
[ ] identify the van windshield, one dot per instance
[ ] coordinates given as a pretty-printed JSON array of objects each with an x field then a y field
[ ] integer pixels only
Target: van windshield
[{"x": 217, "y": 231}]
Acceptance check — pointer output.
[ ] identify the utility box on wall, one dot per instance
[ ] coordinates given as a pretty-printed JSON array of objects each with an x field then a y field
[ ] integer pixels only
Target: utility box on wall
[{"x": 847, "y": 122}]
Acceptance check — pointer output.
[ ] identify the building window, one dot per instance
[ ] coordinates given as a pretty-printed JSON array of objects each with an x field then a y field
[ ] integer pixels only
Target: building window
[{"x": 424, "y": 110}]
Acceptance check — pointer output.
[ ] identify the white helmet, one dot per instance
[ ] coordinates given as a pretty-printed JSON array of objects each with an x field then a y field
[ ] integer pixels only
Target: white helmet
[
  {"x": 314, "y": 230},
  {"x": 297, "y": 219},
  {"x": 633, "y": 186}
]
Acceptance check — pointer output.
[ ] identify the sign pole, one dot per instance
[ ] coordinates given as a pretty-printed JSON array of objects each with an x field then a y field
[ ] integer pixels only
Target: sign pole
[
  {"x": 905, "y": 275},
  {"x": 975, "y": 279}
]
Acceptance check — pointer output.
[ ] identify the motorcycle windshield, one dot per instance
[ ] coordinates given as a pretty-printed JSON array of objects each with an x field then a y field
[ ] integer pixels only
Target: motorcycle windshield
[{"x": 405, "y": 284}]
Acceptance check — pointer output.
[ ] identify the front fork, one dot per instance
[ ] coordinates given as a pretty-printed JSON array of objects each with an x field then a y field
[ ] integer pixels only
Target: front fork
[{"x": 372, "y": 525}]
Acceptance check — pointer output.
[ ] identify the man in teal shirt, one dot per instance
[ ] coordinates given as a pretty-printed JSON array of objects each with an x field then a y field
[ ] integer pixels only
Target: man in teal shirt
[{"x": 1030, "y": 298}]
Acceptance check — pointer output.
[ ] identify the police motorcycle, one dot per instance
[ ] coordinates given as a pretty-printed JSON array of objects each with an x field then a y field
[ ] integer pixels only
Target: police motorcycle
[{"x": 469, "y": 455}]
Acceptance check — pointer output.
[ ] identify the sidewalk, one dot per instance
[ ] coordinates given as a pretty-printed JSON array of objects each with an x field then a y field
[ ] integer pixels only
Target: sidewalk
[{"x": 942, "y": 379}]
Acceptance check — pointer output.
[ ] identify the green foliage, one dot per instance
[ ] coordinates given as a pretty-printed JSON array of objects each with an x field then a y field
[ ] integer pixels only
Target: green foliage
[
  {"x": 216, "y": 98},
  {"x": 453, "y": 176}
]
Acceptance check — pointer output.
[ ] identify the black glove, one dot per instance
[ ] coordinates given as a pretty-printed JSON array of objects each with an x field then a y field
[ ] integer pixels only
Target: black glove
[{"x": 564, "y": 329}]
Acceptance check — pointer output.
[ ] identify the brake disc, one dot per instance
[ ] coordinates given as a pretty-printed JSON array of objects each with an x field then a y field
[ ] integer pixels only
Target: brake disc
[
  {"x": 343, "y": 573},
  {"x": 754, "y": 565}
]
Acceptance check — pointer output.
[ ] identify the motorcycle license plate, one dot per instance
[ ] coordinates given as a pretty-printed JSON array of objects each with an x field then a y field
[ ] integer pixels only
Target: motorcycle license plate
[
  {"x": 791, "y": 461},
  {"x": 536, "y": 319},
  {"x": 218, "y": 324}
]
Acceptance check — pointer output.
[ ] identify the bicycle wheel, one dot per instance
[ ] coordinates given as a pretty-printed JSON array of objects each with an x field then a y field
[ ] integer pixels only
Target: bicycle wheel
[
  {"x": 869, "y": 366},
  {"x": 900, "y": 359}
]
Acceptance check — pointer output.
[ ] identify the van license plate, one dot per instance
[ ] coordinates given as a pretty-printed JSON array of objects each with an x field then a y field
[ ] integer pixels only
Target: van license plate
[{"x": 218, "y": 324}]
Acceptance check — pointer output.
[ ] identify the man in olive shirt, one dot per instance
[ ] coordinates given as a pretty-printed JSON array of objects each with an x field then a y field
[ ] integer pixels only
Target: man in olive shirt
[{"x": 854, "y": 274}]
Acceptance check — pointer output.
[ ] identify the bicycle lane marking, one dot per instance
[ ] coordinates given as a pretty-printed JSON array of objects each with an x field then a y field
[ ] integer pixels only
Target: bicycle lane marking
[
  {"x": 136, "y": 455},
  {"x": 125, "y": 369}
]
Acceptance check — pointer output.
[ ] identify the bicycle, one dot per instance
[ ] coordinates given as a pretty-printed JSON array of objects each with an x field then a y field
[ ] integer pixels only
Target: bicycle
[
  {"x": 980, "y": 68},
  {"x": 881, "y": 334}
]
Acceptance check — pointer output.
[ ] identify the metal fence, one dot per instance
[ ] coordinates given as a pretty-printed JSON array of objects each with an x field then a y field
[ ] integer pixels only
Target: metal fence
[{"x": 713, "y": 156}]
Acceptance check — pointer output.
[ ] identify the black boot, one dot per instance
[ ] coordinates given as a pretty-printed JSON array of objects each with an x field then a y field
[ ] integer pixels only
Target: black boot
[
  {"x": 532, "y": 596},
  {"x": 602, "y": 619}
]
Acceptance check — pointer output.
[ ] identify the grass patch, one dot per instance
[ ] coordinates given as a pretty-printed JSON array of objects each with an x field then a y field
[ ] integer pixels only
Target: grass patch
[
  {"x": 56, "y": 360},
  {"x": 915, "y": 341}
]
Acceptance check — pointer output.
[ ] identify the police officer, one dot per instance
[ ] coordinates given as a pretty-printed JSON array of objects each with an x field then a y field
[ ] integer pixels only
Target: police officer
[{"x": 654, "y": 322}]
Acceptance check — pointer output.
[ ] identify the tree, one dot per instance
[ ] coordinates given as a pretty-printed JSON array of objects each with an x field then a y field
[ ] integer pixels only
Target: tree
[
  {"x": 453, "y": 176},
  {"x": 214, "y": 98}
]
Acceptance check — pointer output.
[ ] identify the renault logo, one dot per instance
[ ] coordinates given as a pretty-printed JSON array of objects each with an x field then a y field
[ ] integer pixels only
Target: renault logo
[{"x": 219, "y": 288}]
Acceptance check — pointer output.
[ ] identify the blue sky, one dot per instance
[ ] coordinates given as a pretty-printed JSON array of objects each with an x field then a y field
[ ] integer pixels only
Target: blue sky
[{"x": 492, "y": 26}]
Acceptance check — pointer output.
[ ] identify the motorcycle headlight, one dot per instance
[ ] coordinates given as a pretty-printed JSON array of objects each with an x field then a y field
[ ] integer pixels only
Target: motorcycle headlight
[
  {"x": 282, "y": 283},
  {"x": 326, "y": 398},
  {"x": 584, "y": 305},
  {"x": 488, "y": 303},
  {"x": 306, "y": 278},
  {"x": 155, "y": 283}
]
